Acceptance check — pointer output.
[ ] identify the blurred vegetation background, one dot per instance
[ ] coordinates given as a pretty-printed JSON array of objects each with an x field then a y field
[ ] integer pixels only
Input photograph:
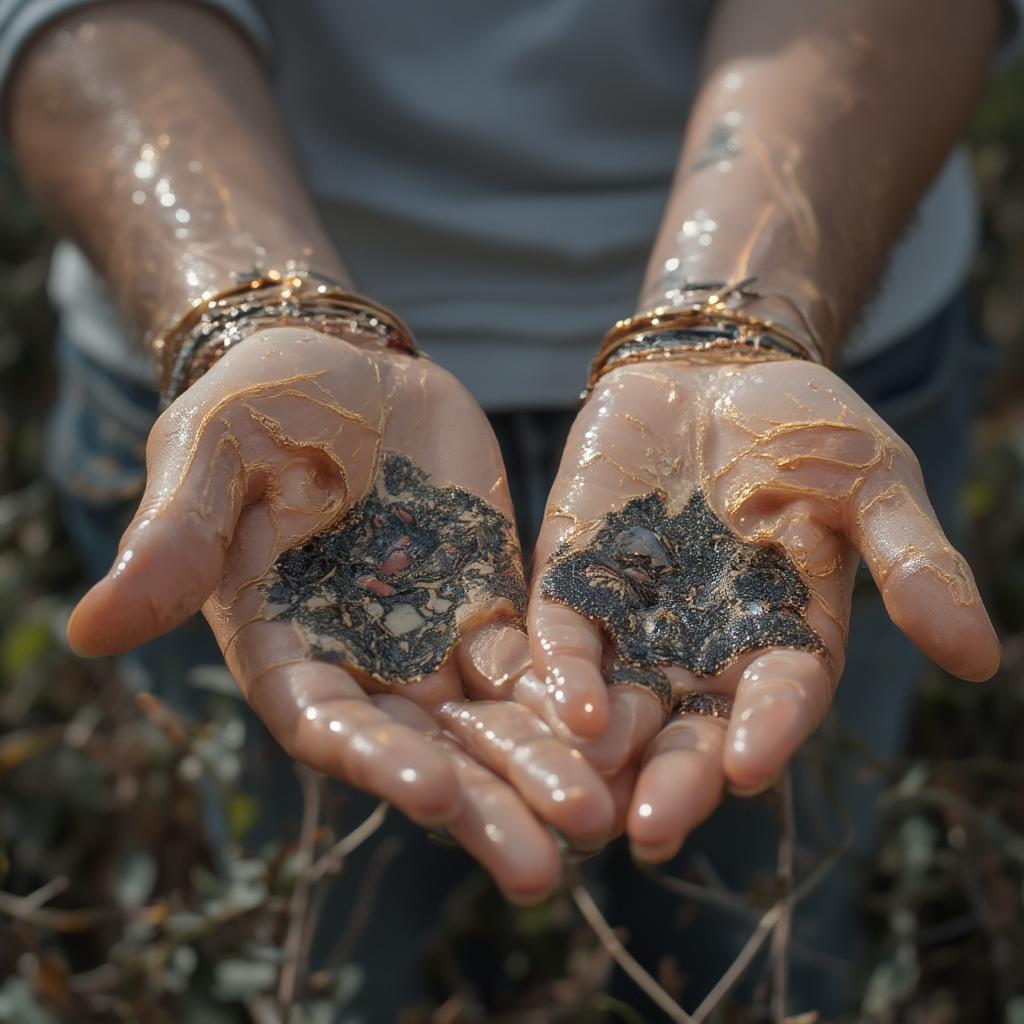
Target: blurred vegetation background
[{"x": 114, "y": 907}]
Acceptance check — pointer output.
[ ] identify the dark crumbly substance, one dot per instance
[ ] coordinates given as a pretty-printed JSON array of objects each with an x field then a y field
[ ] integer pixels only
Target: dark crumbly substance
[
  {"x": 621, "y": 673},
  {"x": 682, "y": 590},
  {"x": 380, "y": 590},
  {"x": 701, "y": 702}
]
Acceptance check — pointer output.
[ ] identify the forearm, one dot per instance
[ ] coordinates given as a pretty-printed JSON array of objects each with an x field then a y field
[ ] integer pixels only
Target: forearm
[
  {"x": 817, "y": 127},
  {"x": 148, "y": 132}
]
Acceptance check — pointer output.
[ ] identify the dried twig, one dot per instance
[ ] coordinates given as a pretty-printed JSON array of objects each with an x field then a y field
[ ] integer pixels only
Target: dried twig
[
  {"x": 263, "y": 1010},
  {"x": 330, "y": 863},
  {"x": 30, "y": 910},
  {"x": 589, "y": 909},
  {"x": 45, "y": 893},
  {"x": 366, "y": 899},
  {"x": 721, "y": 899},
  {"x": 784, "y": 873},
  {"x": 165, "y": 718},
  {"x": 732, "y": 903},
  {"x": 728, "y": 981},
  {"x": 764, "y": 927},
  {"x": 294, "y": 965}
]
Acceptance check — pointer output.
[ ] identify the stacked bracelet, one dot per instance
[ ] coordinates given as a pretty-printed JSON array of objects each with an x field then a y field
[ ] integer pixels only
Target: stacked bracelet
[
  {"x": 217, "y": 322},
  {"x": 715, "y": 326}
]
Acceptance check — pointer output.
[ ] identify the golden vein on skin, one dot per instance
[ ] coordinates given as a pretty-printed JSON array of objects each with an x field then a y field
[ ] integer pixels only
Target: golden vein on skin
[
  {"x": 747, "y": 248},
  {"x": 277, "y": 431},
  {"x": 199, "y": 431},
  {"x": 589, "y": 460},
  {"x": 798, "y": 211}
]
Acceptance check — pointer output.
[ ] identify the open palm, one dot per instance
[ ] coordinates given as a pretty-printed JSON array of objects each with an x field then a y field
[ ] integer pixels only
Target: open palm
[
  {"x": 341, "y": 516},
  {"x": 699, "y": 550}
]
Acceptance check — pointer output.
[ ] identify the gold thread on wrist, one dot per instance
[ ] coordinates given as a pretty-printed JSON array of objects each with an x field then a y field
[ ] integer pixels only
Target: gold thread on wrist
[
  {"x": 716, "y": 327},
  {"x": 261, "y": 299}
]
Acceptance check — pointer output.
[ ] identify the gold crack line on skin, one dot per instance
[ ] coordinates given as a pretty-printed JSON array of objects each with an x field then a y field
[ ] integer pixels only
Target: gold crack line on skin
[
  {"x": 755, "y": 488},
  {"x": 308, "y": 482},
  {"x": 806, "y": 232},
  {"x": 774, "y": 532},
  {"x": 267, "y": 669},
  {"x": 792, "y": 461},
  {"x": 897, "y": 491},
  {"x": 619, "y": 468},
  {"x": 779, "y": 462},
  {"x": 796, "y": 193},
  {"x": 332, "y": 407},
  {"x": 635, "y": 421},
  {"x": 842, "y": 623},
  {"x": 957, "y": 585},
  {"x": 249, "y": 391},
  {"x": 206, "y": 502},
  {"x": 809, "y": 410},
  {"x": 262, "y": 574},
  {"x": 772, "y": 431},
  {"x": 277, "y": 431},
  {"x": 889, "y": 493},
  {"x": 747, "y": 251},
  {"x": 789, "y": 427},
  {"x": 939, "y": 545},
  {"x": 576, "y": 530}
]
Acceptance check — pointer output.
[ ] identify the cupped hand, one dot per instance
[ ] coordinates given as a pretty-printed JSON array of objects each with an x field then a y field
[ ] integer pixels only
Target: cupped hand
[
  {"x": 341, "y": 516},
  {"x": 699, "y": 551}
]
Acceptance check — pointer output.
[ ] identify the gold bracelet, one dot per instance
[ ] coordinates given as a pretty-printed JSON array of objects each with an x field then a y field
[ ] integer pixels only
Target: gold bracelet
[
  {"x": 219, "y": 320},
  {"x": 711, "y": 327}
]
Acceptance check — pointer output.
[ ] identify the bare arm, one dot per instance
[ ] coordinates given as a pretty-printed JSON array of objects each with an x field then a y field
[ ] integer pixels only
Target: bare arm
[
  {"x": 148, "y": 132},
  {"x": 691, "y": 479},
  {"x": 818, "y": 125}
]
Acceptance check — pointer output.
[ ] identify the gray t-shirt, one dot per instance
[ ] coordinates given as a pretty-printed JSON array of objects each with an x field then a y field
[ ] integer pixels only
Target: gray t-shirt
[{"x": 496, "y": 172}]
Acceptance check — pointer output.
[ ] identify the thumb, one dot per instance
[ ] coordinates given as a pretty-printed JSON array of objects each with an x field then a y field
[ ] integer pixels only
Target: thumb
[{"x": 171, "y": 556}]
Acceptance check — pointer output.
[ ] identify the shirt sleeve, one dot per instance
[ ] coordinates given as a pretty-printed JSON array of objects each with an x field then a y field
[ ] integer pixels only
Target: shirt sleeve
[{"x": 21, "y": 20}]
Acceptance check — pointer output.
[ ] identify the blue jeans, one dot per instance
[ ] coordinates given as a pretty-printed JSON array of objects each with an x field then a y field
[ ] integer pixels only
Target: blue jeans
[{"x": 926, "y": 387}]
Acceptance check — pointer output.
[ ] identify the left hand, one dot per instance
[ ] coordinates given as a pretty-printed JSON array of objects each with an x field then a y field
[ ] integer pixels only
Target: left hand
[
  {"x": 702, "y": 537},
  {"x": 340, "y": 514}
]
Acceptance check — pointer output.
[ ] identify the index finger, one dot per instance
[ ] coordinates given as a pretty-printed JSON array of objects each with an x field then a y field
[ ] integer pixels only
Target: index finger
[{"x": 321, "y": 717}]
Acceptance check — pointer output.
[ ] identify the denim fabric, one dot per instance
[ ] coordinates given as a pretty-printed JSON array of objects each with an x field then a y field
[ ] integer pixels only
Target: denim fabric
[{"x": 926, "y": 387}]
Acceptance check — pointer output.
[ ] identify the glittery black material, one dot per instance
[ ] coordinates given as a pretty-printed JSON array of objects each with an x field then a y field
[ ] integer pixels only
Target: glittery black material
[
  {"x": 382, "y": 589},
  {"x": 701, "y": 702},
  {"x": 682, "y": 590},
  {"x": 622, "y": 673}
]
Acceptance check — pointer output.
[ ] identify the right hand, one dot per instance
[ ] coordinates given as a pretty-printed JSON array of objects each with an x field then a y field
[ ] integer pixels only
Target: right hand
[
  {"x": 341, "y": 516},
  {"x": 702, "y": 536}
]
